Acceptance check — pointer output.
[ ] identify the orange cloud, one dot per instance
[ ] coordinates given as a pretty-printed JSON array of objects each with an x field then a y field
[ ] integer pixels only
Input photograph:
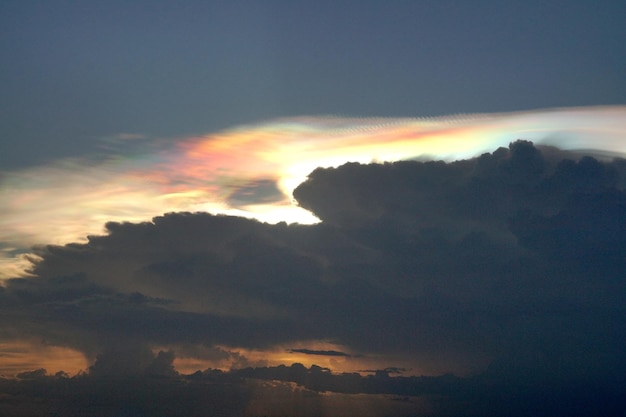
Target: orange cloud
[{"x": 17, "y": 356}]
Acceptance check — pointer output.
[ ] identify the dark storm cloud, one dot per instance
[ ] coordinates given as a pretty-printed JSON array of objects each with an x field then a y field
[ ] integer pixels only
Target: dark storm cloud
[
  {"x": 94, "y": 320},
  {"x": 510, "y": 264},
  {"x": 133, "y": 360},
  {"x": 302, "y": 391},
  {"x": 130, "y": 395},
  {"x": 318, "y": 352}
]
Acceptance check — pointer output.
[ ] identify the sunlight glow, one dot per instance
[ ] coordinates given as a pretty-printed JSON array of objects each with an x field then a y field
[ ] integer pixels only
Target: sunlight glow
[
  {"x": 251, "y": 171},
  {"x": 20, "y": 355}
]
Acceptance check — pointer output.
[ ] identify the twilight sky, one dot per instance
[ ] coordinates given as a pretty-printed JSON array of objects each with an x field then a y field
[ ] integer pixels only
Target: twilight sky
[
  {"x": 389, "y": 188},
  {"x": 76, "y": 73}
]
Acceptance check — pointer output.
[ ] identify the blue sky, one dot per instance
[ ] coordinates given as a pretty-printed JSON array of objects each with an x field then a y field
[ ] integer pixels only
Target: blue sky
[{"x": 74, "y": 72}]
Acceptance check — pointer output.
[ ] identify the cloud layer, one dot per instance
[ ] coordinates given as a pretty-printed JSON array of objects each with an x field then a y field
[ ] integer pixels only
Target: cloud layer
[
  {"x": 252, "y": 170},
  {"x": 513, "y": 258},
  {"x": 505, "y": 269}
]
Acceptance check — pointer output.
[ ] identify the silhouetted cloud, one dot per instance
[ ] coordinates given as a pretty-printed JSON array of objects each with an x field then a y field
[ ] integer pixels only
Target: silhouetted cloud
[
  {"x": 508, "y": 267},
  {"x": 262, "y": 191},
  {"x": 133, "y": 361},
  {"x": 389, "y": 370},
  {"x": 303, "y": 391},
  {"x": 35, "y": 374},
  {"x": 319, "y": 352}
]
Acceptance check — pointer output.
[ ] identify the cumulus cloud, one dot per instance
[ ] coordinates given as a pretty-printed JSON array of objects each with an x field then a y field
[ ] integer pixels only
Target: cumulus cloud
[
  {"x": 252, "y": 170},
  {"x": 133, "y": 360},
  {"x": 509, "y": 265}
]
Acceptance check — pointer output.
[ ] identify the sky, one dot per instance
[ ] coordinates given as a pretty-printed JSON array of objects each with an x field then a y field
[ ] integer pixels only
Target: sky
[{"x": 351, "y": 208}]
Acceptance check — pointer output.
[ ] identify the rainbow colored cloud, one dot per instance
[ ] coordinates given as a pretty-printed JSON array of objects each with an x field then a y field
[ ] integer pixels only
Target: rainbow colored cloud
[{"x": 252, "y": 170}]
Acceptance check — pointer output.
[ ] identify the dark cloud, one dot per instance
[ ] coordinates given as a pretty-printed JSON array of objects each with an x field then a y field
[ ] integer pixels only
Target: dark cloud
[
  {"x": 386, "y": 371},
  {"x": 34, "y": 374},
  {"x": 302, "y": 391},
  {"x": 95, "y": 396},
  {"x": 509, "y": 265},
  {"x": 133, "y": 361},
  {"x": 264, "y": 191},
  {"x": 319, "y": 352}
]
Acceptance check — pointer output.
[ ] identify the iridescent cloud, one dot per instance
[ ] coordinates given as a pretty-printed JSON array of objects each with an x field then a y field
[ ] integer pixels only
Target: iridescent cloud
[{"x": 251, "y": 170}]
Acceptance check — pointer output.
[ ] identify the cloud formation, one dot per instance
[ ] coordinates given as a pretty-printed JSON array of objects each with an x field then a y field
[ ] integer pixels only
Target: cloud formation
[
  {"x": 252, "y": 170},
  {"x": 508, "y": 266},
  {"x": 319, "y": 352},
  {"x": 453, "y": 265}
]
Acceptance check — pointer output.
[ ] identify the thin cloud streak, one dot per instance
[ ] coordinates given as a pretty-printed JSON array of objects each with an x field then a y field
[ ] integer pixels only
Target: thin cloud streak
[{"x": 243, "y": 171}]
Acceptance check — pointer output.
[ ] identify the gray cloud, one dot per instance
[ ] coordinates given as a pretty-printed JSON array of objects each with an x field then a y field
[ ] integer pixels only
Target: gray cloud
[
  {"x": 319, "y": 352},
  {"x": 264, "y": 191},
  {"x": 509, "y": 264}
]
